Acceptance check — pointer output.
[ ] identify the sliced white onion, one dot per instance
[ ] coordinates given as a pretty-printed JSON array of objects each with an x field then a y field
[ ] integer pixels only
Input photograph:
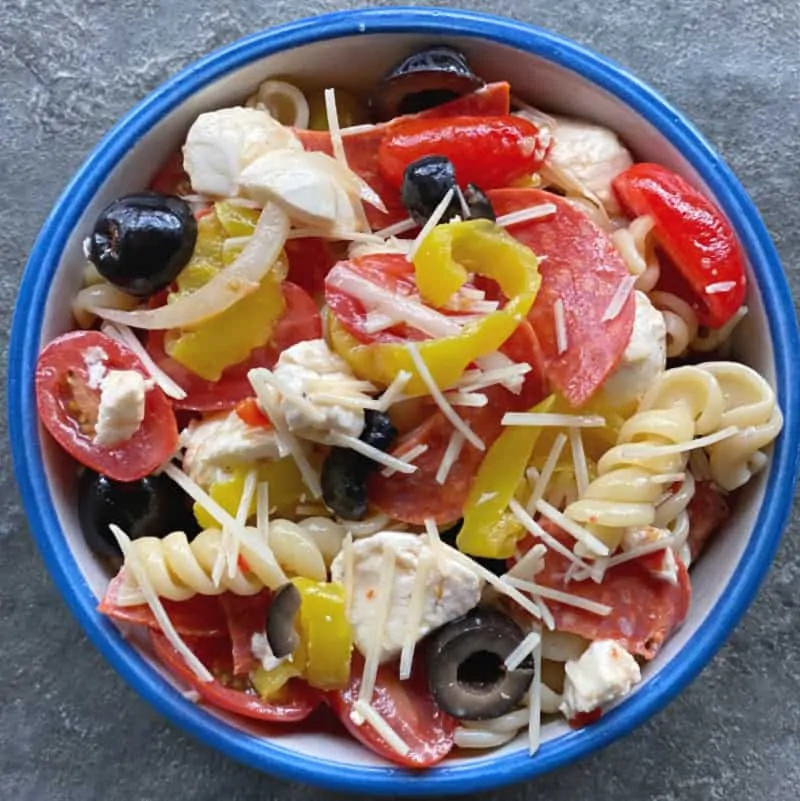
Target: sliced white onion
[
  {"x": 103, "y": 294},
  {"x": 223, "y": 290}
]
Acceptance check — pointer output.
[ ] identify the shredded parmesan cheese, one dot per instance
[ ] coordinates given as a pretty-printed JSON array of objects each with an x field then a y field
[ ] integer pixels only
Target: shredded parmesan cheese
[
  {"x": 139, "y": 572},
  {"x": 262, "y": 510},
  {"x": 474, "y": 400},
  {"x": 535, "y": 701},
  {"x": 382, "y": 604},
  {"x": 720, "y": 286},
  {"x": 334, "y": 128},
  {"x": 549, "y": 420},
  {"x": 474, "y": 380},
  {"x": 526, "y": 215},
  {"x": 123, "y": 334},
  {"x": 617, "y": 302},
  {"x": 431, "y": 223},
  {"x": 402, "y": 227},
  {"x": 560, "y": 322},
  {"x": 636, "y": 451},
  {"x": 349, "y": 571},
  {"x": 547, "y": 472},
  {"x": 407, "y": 458},
  {"x": 571, "y": 527},
  {"x": 386, "y": 732},
  {"x": 523, "y": 650},
  {"x": 451, "y": 454},
  {"x": 260, "y": 384},
  {"x": 394, "y": 391},
  {"x": 371, "y": 452},
  {"x": 416, "y": 607},
  {"x": 562, "y": 597},
  {"x": 579, "y": 461},
  {"x": 441, "y": 401}
]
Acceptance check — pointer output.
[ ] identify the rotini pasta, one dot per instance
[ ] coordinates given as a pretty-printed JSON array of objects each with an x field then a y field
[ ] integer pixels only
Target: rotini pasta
[{"x": 638, "y": 252}]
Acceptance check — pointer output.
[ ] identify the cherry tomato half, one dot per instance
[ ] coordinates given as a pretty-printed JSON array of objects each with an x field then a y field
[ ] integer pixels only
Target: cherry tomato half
[
  {"x": 408, "y": 708},
  {"x": 695, "y": 235},
  {"x": 68, "y": 407}
]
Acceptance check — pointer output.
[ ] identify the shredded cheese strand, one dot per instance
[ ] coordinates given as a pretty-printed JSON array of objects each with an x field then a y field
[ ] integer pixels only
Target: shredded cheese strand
[
  {"x": 523, "y": 650},
  {"x": 595, "y": 608},
  {"x": 552, "y": 420},
  {"x": 379, "y": 456},
  {"x": 440, "y": 400},
  {"x": 535, "y": 701},
  {"x": 394, "y": 391},
  {"x": 583, "y": 536},
  {"x": 547, "y": 473},
  {"x": 431, "y": 223},
  {"x": 139, "y": 571},
  {"x": 381, "y": 726},
  {"x": 450, "y": 457},
  {"x": 526, "y": 215},
  {"x": 617, "y": 301},
  {"x": 408, "y": 458},
  {"x": 639, "y": 451},
  {"x": 560, "y": 321},
  {"x": 416, "y": 607},
  {"x": 579, "y": 461}
]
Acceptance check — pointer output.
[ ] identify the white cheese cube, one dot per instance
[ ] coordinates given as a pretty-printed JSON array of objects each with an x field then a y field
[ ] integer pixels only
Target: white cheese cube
[
  {"x": 605, "y": 672},
  {"x": 121, "y": 411},
  {"x": 451, "y": 589}
]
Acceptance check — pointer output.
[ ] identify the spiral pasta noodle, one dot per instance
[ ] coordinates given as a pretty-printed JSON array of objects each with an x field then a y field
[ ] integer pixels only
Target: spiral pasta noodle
[
  {"x": 684, "y": 402},
  {"x": 638, "y": 252}
]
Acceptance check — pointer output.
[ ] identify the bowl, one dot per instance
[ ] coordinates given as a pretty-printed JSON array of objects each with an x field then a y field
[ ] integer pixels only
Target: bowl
[{"x": 355, "y": 48}]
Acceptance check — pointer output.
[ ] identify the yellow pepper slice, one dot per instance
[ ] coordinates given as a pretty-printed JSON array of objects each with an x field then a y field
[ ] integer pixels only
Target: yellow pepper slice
[
  {"x": 270, "y": 683},
  {"x": 489, "y": 530},
  {"x": 476, "y": 246},
  {"x": 325, "y": 632},
  {"x": 286, "y": 487},
  {"x": 236, "y": 220},
  {"x": 206, "y": 258},
  {"x": 349, "y": 109}
]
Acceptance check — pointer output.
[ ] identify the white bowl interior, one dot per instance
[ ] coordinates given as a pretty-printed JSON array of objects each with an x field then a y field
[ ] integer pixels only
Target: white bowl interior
[{"x": 355, "y": 63}]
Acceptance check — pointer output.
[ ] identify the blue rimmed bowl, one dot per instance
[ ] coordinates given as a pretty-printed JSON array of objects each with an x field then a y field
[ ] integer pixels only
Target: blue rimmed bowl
[{"x": 351, "y": 50}]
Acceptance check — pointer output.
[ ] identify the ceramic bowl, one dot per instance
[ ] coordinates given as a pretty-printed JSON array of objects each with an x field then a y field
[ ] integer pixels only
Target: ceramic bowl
[{"x": 352, "y": 50}]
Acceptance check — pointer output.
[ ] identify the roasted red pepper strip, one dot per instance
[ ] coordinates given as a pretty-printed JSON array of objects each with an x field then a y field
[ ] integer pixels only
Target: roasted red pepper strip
[
  {"x": 581, "y": 267},
  {"x": 695, "y": 235},
  {"x": 488, "y": 151}
]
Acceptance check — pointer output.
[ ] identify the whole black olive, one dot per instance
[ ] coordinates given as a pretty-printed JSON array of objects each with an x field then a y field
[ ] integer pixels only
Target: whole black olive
[
  {"x": 466, "y": 672},
  {"x": 141, "y": 242},
  {"x": 423, "y": 80},
  {"x": 344, "y": 483},
  {"x": 425, "y": 182},
  {"x": 496, "y": 566},
  {"x": 480, "y": 207},
  {"x": 379, "y": 431},
  {"x": 153, "y": 506}
]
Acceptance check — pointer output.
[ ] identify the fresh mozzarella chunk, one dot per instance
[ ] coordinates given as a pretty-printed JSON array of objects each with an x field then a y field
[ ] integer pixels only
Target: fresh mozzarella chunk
[
  {"x": 322, "y": 396},
  {"x": 605, "y": 672},
  {"x": 644, "y": 359},
  {"x": 593, "y": 154},
  {"x": 215, "y": 445},
  {"x": 451, "y": 589},
  {"x": 122, "y": 396},
  {"x": 309, "y": 186},
  {"x": 220, "y": 144}
]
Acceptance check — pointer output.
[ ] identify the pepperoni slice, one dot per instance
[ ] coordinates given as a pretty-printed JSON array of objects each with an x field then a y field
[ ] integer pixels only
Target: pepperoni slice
[
  {"x": 310, "y": 259},
  {"x": 416, "y": 496},
  {"x": 245, "y": 616},
  {"x": 583, "y": 269},
  {"x": 645, "y": 609},
  {"x": 708, "y": 511},
  {"x": 361, "y": 149}
]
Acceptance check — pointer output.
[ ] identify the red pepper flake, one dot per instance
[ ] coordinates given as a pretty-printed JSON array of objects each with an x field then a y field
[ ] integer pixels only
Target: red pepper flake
[{"x": 250, "y": 412}]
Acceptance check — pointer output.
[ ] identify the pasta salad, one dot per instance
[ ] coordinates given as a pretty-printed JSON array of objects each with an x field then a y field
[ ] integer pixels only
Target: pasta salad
[{"x": 416, "y": 407}]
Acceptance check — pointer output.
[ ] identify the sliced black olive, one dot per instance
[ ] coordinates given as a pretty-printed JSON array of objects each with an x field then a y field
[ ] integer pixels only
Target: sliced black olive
[
  {"x": 281, "y": 633},
  {"x": 379, "y": 431},
  {"x": 425, "y": 182},
  {"x": 424, "y": 80},
  {"x": 449, "y": 535},
  {"x": 153, "y": 506},
  {"x": 141, "y": 242},
  {"x": 466, "y": 671},
  {"x": 480, "y": 207},
  {"x": 344, "y": 483}
]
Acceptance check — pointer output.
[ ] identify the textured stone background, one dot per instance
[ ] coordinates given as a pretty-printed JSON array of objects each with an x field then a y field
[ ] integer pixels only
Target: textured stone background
[{"x": 69, "y": 728}]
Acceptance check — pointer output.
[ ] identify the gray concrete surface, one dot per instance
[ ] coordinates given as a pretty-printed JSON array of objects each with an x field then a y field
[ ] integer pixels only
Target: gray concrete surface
[{"x": 70, "y": 729}]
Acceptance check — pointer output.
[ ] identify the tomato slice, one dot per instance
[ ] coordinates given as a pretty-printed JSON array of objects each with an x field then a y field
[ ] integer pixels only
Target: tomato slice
[
  {"x": 246, "y": 615},
  {"x": 199, "y": 616},
  {"x": 172, "y": 179},
  {"x": 298, "y": 702},
  {"x": 583, "y": 269},
  {"x": 708, "y": 511},
  {"x": 408, "y": 708},
  {"x": 645, "y": 609},
  {"x": 490, "y": 152},
  {"x": 695, "y": 235},
  {"x": 68, "y": 407},
  {"x": 362, "y": 148},
  {"x": 416, "y": 496},
  {"x": 300, "y": 321}
]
